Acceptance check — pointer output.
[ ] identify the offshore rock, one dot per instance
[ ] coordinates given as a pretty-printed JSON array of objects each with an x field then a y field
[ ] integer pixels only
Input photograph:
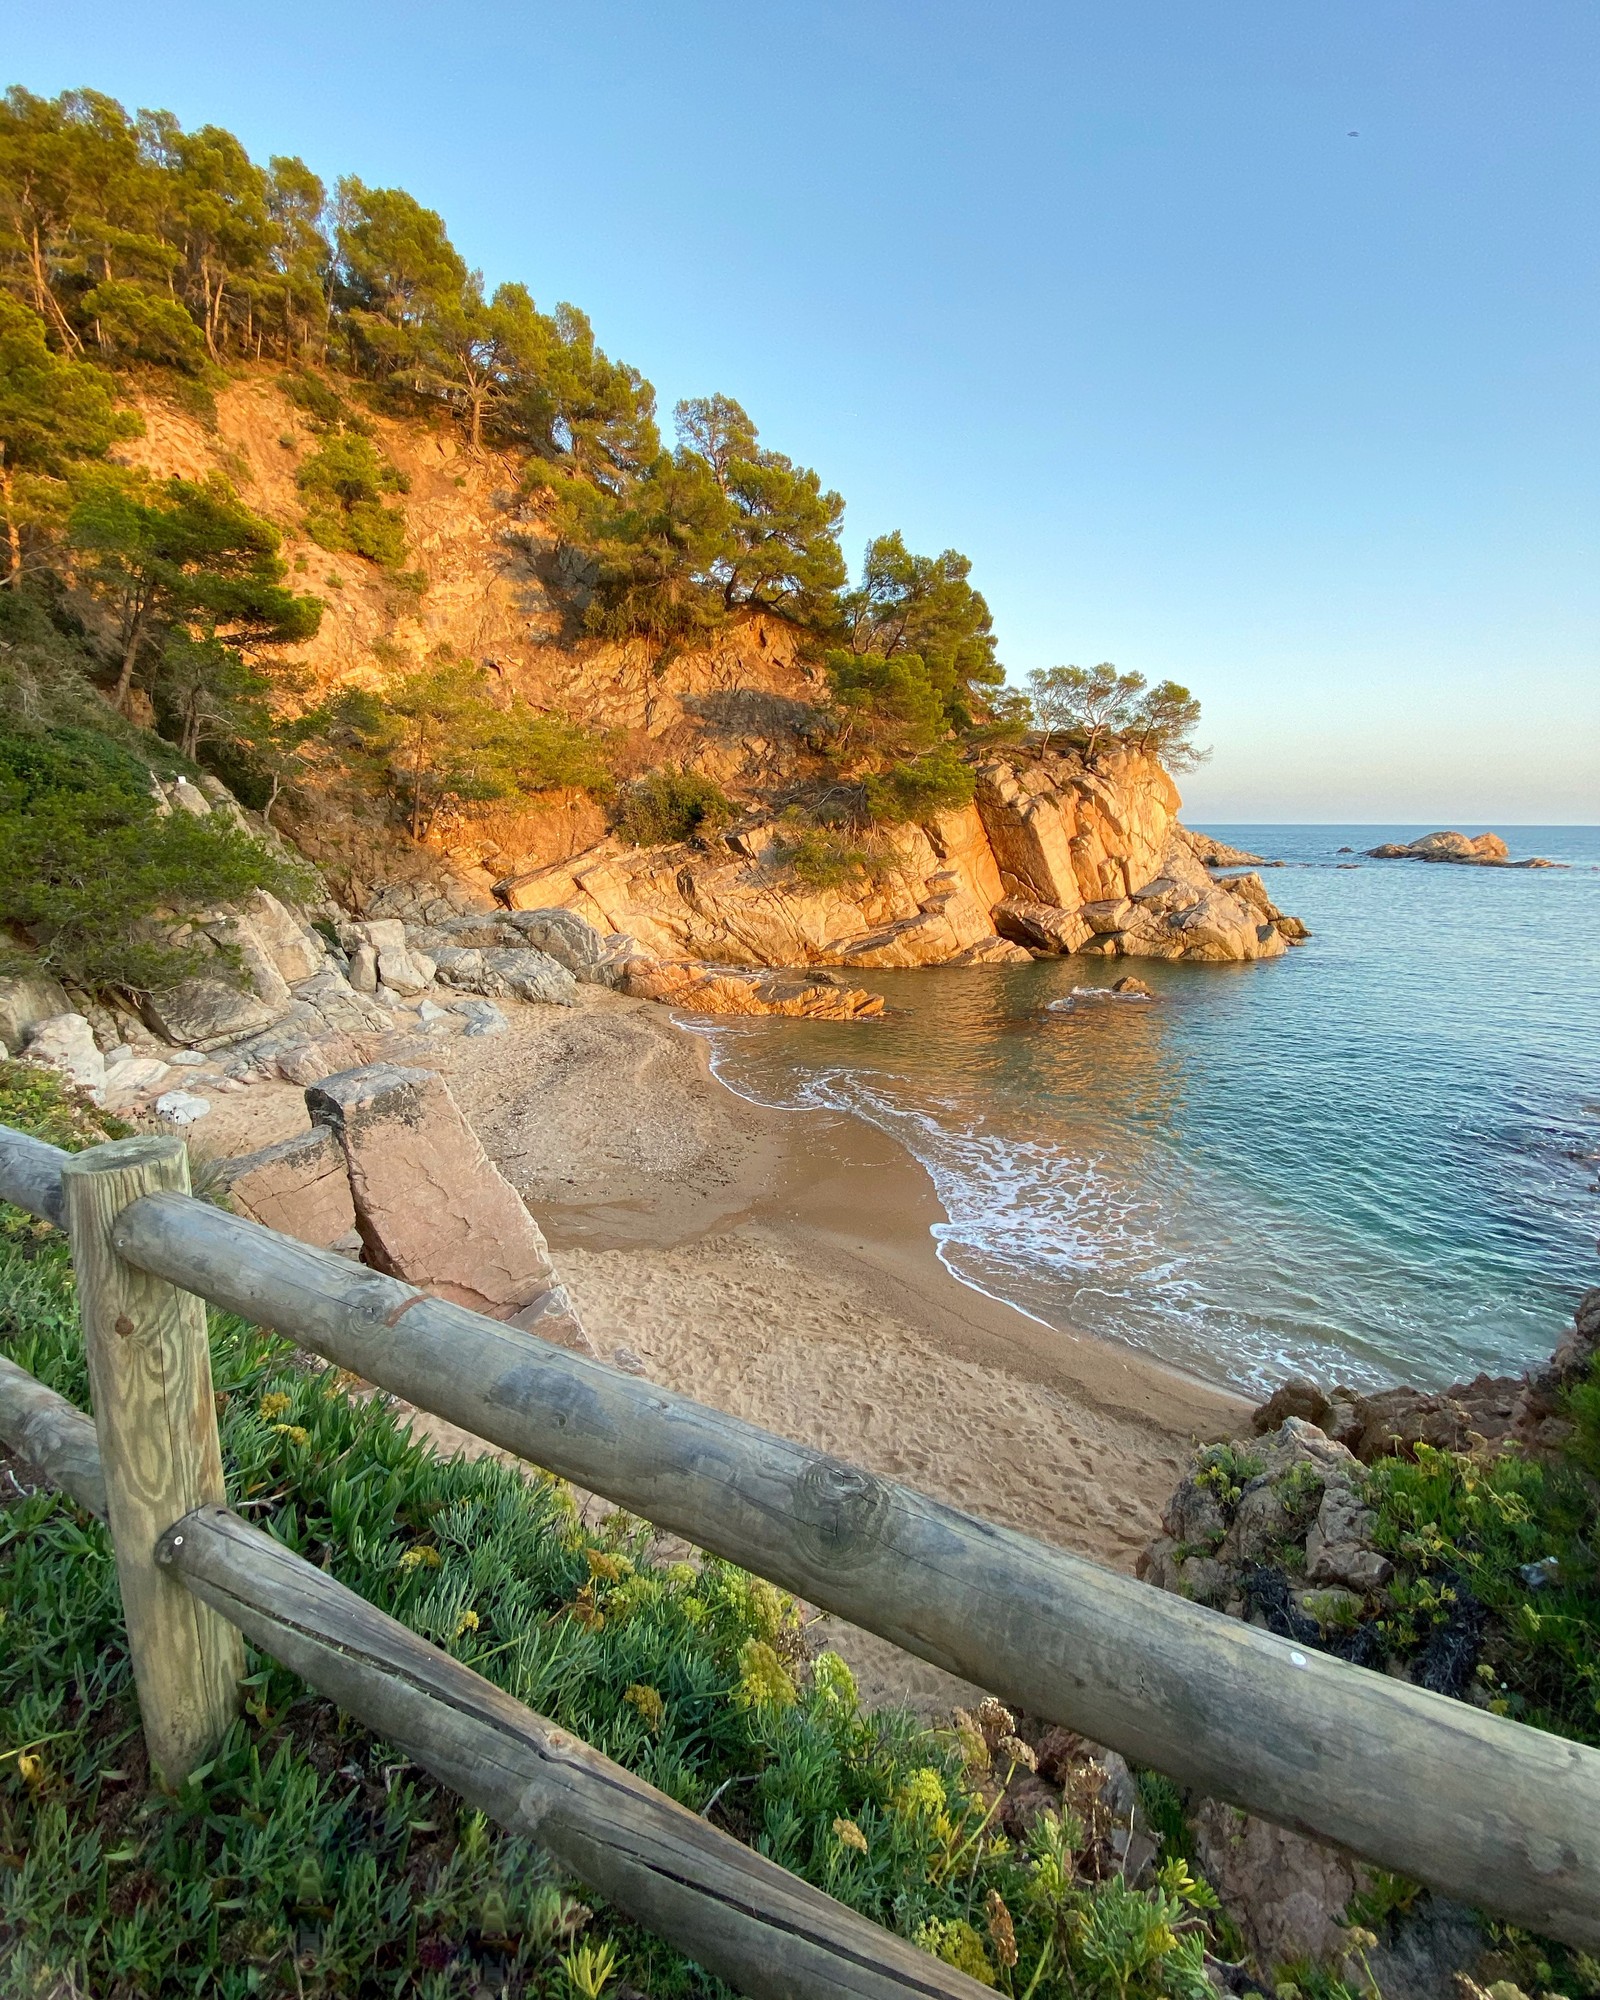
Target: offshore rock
[{"x": 1487, "y": 850}]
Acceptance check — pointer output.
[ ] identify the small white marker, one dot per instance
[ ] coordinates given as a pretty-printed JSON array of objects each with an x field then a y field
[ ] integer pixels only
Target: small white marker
[
  {"x": 1297, "y": 1659},
  {"x": 177, "y": 1542}
]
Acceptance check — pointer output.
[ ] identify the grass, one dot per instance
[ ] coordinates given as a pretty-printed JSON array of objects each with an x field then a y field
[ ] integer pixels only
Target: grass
[{"x": 310, "y": 1859}]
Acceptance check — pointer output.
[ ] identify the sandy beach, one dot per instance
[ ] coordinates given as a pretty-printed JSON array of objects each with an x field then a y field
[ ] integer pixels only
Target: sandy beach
[{"x": 780, "y": 1265}]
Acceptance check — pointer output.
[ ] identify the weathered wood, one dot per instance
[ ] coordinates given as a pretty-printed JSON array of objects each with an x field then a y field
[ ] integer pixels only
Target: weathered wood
[
  {"x": 55, "y": 1439},
  {"x": 1503, "y": 1816},
  {"x": 741, "y": 1916},
  {"x": 30, "y": 1174},
  {"x": 156, "y": 1421}
]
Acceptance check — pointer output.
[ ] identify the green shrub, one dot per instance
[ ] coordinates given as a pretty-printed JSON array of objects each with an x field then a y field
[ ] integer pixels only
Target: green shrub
[
  {"x": 920, "y": 789},
  {"x": 87, "y": 865},
  {"x": 825, "y": 857},
  {"x": 669, "y": 806},
  {"x": 345, "y": 479},
  {"x": 1519, "y": 1536}
]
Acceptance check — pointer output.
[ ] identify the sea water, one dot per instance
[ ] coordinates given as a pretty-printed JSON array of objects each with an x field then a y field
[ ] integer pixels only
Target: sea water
[{"x": 1375, "y": 1159}]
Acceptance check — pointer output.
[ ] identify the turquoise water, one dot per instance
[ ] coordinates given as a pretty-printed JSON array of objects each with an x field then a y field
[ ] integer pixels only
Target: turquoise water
[{"x": 1376, "y": 1158}]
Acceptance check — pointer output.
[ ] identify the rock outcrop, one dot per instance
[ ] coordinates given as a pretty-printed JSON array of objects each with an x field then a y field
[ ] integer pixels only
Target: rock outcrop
[
  {"x": 1053, "y": 857},
  {"x": 733, "y": 989},
  {"x": 431, "y": 1207},
  {"x": 1484, "y": 850}
]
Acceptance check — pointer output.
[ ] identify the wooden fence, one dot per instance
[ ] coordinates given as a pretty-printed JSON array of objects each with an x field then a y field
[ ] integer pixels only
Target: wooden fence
[{"x": 1500, "y": 1815}]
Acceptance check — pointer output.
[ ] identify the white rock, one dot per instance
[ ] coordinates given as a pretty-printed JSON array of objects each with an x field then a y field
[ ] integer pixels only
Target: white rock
[
  {"x": 182, "y": 1107},
  {"x": 133, "y": 1074},
  {"x": 66, "y": 1044},
  {"x": 364, "y": 969},
  {"x": 430, "y": 1010},
  {"x": 122, "y": 1053},
  {"x": 190, "y": 1058}
]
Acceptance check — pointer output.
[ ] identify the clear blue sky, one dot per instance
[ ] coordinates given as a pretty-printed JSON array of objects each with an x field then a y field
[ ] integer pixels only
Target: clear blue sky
[{"x": 1102, "y": 294}]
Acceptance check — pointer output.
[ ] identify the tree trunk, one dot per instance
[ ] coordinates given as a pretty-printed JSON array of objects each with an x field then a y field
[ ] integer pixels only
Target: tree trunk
[
  {"x": 13, "y": 533},
  {"x": 130, "y": 658}
]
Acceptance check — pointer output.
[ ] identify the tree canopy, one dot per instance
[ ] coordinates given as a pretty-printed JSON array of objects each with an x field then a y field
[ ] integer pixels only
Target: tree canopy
[{"x": 1097, "y": 706}]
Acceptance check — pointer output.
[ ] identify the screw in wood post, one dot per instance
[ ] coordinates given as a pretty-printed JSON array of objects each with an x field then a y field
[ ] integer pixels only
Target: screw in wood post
[{"x": 150, "y": 1377}]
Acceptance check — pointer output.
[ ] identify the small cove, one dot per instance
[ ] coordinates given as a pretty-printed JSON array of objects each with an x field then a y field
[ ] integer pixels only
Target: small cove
[{"x": 1375, "y": 1159}]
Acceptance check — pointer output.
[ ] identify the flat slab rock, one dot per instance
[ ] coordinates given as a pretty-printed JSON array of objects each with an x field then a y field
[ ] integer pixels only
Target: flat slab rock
[
  {"x": 430, "y": 1205},
  {"x": 722, "y": 989}
]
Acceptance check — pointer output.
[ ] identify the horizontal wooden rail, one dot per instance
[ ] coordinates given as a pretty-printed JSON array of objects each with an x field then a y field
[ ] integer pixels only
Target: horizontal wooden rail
[
  {"x": 744, "y": 1918},
  {"x": 45, "y": 1430},
  {"x": 1503, "y": 1816},
  {"x": 741, "y": 1916}
]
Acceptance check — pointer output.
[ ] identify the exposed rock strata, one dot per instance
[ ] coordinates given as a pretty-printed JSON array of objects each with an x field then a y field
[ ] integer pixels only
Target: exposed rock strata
[{"x": 1053, "y": 857}]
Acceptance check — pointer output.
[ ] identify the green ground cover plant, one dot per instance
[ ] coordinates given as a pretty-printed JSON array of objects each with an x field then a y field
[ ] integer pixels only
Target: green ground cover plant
[{"x": 310, "y": 1859}]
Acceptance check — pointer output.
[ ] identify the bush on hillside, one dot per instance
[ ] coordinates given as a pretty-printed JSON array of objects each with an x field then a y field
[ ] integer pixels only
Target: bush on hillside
[
  {"x": 670, "y": 806},
  {"x": 826, "y": 857},
  {"x": 920, "y": 789},
  {"x": 90, "y": 872},
  {"x": 345, "y": 480}
]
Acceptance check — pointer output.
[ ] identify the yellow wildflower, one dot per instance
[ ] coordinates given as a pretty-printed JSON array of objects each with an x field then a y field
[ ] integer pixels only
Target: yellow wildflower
[
  {"x": 958, "y": 1944},
  {"x": 834, "y": 1681},
  {"x": 683, "y": 1575},
  {"x": 921, "y": 1796},
  {"x": 295, "y": 1433},
  {"x": 848, "y": 1834},
  {"x": 274, "y": 1403},
  {"x": 647, "y": 1700},
  {"x": 605, "y": 1568},
  {"x": 467, "y": 1622},
  {"x": 30, "y": 1769},
  {"x": 763, "y": 1680},
  {"x": 421, "y": 1558}
]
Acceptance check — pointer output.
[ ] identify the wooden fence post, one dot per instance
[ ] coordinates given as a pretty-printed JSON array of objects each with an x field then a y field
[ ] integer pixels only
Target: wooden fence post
[{"x": 150, "y": 1378}]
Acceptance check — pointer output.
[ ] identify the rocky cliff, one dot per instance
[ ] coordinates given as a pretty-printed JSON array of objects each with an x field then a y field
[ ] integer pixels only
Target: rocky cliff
[{"x": 1053, "y": 856}]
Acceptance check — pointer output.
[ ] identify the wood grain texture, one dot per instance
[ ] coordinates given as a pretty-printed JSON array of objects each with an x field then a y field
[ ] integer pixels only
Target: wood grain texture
[
  {"x": 1503, "y": 1816},
  {"x": 57, "y": 1440},
  {"x": 741, "y": 1916},
  {"x": 156, "y": 1422}
]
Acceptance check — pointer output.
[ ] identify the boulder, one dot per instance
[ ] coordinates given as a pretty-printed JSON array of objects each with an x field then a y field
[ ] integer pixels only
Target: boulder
[
  {"x": 1286, "y": 1891},
  {"x": 296, "y": 951},
  {"x": 300, "y": 1187},
  {"x": 574, "y": 942},
  {"x": 66, "y": 1044},
  {"x": 1339, "y": 1548},
  {"x": 182, "y": 1107},
  {"x": 27, "y": 1000},
  {"x": 134, "y": 1076},
  {"x": 1042, "y": 926},
  {"x": 1132, "y": 989},
  {"x": 430, "y": 1205}
]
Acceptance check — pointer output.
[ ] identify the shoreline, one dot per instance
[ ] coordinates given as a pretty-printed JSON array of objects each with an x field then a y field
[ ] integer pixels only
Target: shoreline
[{"x": 781, "y": 1264}]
